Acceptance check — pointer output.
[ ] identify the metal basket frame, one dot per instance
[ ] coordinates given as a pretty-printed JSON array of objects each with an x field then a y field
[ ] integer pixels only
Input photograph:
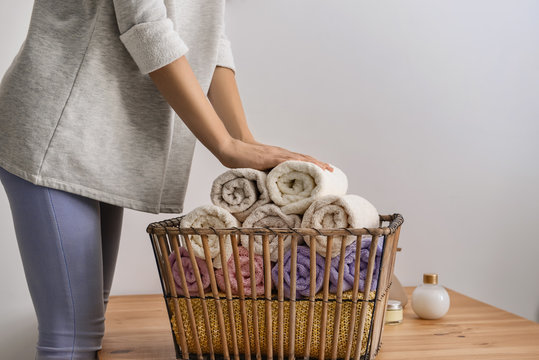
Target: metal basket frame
[{"x": 167, "y": 236}]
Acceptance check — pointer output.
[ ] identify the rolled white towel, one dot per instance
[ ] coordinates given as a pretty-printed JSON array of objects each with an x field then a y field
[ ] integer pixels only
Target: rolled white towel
[
  {"x": 240, "y": 191},
  {"x": 294, "y": 184},
  {"x": 346, "y": 211},
  {"x": 210, "y": 216},
  {"x": 270, "y": 215}
]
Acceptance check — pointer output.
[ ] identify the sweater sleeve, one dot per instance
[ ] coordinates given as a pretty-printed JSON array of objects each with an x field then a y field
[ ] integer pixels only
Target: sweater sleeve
[
  {"x": 224, "y": 53},
  {"x": 148, "y": 34}
]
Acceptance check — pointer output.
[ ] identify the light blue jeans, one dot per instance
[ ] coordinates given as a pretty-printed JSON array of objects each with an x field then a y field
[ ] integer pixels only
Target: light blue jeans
[{"x": 68, "y": 244}]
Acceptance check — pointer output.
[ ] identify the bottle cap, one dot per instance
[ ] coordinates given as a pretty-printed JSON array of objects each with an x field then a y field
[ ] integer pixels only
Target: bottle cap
[
  {"x": 394, "y": 305},
  {"x": 430, "y": 279}
]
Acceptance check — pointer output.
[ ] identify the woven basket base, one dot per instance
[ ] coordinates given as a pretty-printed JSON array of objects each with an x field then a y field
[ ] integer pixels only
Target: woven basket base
[{"x": 302, "y": 310}]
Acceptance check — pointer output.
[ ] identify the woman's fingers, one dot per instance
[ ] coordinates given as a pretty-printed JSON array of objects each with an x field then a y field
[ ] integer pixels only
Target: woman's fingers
[
  {"x": 315, "y": 161},
  {"x": 298, "y": 156},
  {"x": 290, "y": 155},
  {"x": 323, "y": 165},
  {"x": 308, "y": 158},
  {"x": 262, "y": 157}
]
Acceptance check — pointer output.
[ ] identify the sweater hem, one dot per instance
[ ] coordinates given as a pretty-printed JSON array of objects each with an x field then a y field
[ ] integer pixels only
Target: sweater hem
[{"x": 90, "y": 192}]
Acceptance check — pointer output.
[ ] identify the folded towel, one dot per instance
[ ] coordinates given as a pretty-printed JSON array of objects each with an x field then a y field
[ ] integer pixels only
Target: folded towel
[
  {"x": 294, "y": 184},
  {"x": 270, "y": 215},
  {"x": 245, "y": 274},
  {"x": 333, "y": 211},
  {"x": 189, "y": 272},
  {"x": 210, "y": 216},
  {"x": 350, "y": 263},
  {"x": 240, "y": 191},
  {"x": 303, "y": 275}
]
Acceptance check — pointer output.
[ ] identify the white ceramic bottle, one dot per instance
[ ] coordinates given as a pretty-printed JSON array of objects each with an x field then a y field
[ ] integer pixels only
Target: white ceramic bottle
[{"x": 430, "y": 300}]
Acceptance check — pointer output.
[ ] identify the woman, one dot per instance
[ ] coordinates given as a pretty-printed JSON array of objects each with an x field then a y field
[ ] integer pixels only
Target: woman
[{"x": 88, "y": 128}]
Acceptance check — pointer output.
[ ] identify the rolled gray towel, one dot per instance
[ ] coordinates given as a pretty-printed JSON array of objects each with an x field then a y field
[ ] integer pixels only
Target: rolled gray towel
[
  {"x": 240, "y": 191},
  {"x": 270, "y": 215}
]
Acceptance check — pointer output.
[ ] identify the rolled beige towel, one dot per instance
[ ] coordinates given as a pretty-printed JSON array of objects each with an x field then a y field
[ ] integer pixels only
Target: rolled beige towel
[
  {"x": 331, "y": 211},
  {"x": 294, "y": 185},
  {"x": 240, "y": 191},
  {"x": 207, "y": 216},
  {"x": 270, "y": 215}
]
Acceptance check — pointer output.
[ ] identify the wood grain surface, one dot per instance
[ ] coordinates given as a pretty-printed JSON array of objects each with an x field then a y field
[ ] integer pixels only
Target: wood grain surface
[
  {"x": 470, "y": 330},
  {"x": 137, "y": 327}
]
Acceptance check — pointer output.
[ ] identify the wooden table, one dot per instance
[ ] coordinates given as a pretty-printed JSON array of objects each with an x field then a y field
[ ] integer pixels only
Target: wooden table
[{"x": 137, "y": 327}]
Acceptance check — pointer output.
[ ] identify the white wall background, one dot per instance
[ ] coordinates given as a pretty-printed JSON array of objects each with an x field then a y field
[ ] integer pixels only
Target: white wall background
[{"x": 430, "y": 108}]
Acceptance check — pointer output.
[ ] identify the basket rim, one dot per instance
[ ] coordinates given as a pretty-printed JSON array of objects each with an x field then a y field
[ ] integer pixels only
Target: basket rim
[{"x": 172, "y": 226}]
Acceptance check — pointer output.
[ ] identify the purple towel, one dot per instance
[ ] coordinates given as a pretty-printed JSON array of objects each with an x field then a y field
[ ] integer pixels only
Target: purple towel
[
  {"x": 303, "y": 282},
  {"x": 350, "y": 263}
]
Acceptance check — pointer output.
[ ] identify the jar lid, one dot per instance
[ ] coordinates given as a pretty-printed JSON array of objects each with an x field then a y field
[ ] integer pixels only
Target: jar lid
[
  {"x": 430, "y": 278},
  {"x": 394, "y": 305}
]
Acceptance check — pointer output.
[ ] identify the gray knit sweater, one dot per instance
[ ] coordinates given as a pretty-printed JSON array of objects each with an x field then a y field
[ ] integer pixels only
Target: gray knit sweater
[{"x": 79, "y": 112}]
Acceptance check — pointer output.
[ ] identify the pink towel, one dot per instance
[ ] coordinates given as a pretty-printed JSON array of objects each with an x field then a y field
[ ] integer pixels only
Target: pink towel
[
  {"x": 189, "y": 272},
  {"x": 245, "y": 273}
]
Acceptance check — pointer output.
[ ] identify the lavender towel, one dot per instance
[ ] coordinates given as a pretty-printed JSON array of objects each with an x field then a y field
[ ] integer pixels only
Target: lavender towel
[
  {"x": 350, "y": 263},
  {"x": 303, "y": 282},
  {"x": 189, "y": 272}
]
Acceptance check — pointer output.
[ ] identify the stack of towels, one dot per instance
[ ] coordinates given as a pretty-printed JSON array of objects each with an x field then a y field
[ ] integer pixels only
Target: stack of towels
[{"x": 292, "y": 194}]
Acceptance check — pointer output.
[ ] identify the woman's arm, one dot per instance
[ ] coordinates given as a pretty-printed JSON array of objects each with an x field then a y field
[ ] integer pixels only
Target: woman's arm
[
  {"x": 179, "y": 86},
  {"x": 224, "y": 95},
  {"x": 225, "y": 98}
]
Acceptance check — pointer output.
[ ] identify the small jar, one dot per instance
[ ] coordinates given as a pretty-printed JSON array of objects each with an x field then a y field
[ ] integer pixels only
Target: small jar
[{"x": 394, "y": 313}]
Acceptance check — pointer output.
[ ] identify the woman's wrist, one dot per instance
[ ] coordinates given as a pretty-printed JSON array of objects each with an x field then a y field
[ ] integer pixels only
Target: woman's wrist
[{"x": 226, "y": 150}]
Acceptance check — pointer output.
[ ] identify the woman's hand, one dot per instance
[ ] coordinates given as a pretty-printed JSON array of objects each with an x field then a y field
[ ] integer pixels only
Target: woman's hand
[{"x": 239, "y": 154}]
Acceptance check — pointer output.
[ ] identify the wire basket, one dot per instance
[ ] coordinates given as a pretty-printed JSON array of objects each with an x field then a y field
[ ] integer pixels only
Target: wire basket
[{"x": 228, "y": 321}]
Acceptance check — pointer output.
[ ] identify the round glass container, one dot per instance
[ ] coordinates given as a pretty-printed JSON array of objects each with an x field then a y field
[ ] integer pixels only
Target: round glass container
[{"x": 430, "y": 300}]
